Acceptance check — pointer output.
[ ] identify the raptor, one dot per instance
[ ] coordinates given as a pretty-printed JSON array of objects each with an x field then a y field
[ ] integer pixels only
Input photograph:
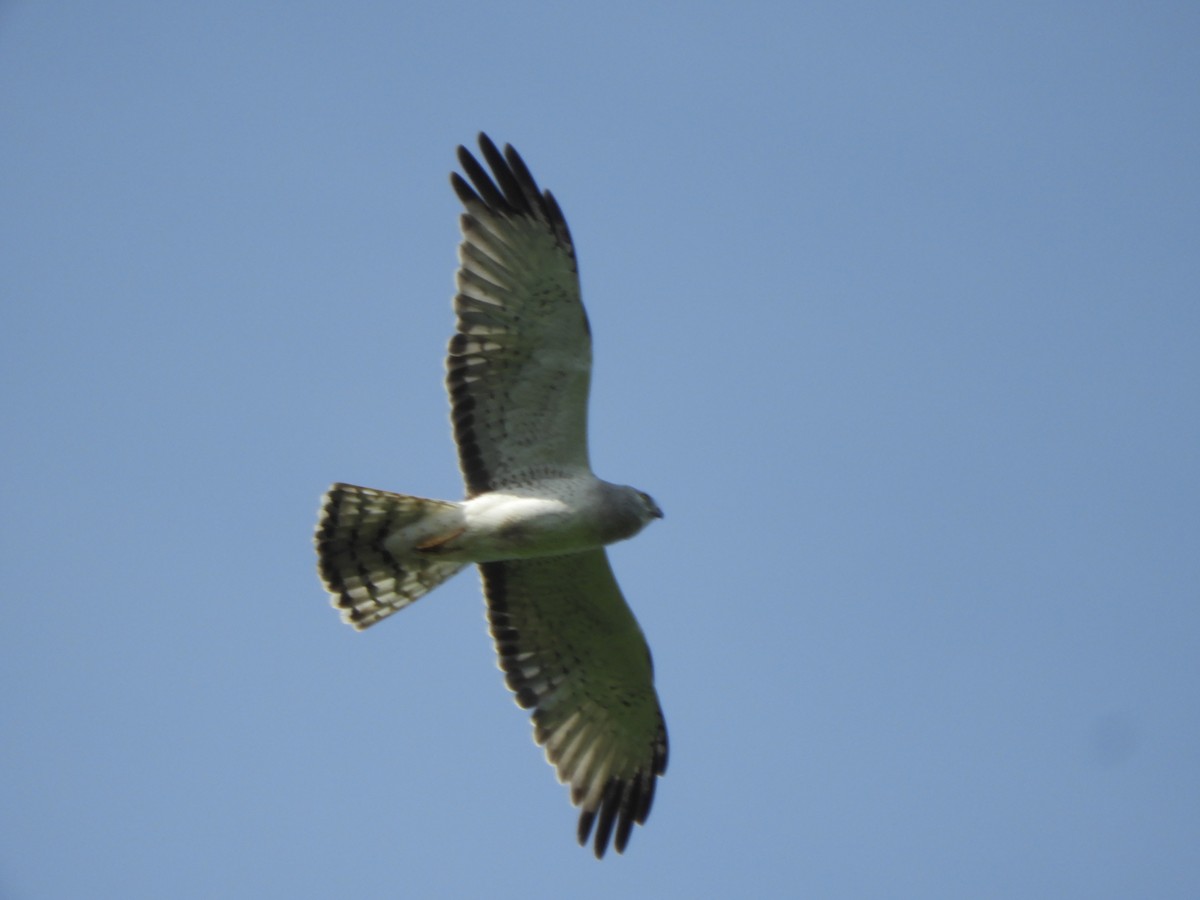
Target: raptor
[{"x": 536, "y": 519}]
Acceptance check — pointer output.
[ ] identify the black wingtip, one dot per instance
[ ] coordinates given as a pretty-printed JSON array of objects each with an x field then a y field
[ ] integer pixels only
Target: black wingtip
[
  {"x": 610, "y": 805},
  {"x": 486, "y": 144},
  {"x": 509, "y": 189},
  {"x": 466, "y": 194}
]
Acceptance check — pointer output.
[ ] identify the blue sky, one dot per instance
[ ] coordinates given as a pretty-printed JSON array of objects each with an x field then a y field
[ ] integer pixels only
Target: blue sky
[{"x": 896, "y": 315}]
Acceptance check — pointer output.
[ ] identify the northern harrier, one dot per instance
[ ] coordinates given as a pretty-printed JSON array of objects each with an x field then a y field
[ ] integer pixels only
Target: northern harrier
[{"x": 536, "y": 520}]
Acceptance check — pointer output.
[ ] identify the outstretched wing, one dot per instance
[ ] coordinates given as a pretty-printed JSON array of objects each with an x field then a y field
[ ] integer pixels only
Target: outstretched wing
[
  {"x": 572, "y": 650},
  {"x": 520, "y": 363}
]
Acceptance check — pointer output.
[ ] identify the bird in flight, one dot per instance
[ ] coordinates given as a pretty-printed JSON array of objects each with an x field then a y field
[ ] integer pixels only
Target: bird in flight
[{"x": 535, "y": 519}]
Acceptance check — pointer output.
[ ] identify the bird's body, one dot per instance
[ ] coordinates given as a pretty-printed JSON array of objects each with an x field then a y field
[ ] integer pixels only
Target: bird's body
[
  {"x": 536, "y": 519},
  {"x": 548, "y": 518}
]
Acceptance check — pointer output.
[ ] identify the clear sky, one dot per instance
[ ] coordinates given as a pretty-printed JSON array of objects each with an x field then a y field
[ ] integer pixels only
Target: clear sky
[{"x": 897, "y": 315}]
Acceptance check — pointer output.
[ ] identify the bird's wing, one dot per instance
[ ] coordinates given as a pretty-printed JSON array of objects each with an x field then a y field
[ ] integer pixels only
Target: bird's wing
[
  {"x": 573, "y": 652},
  {"x": 520, "y": 363}
]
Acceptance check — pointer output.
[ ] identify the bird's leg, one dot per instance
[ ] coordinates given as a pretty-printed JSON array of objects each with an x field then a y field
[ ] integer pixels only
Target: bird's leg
[{"x": 437, "y": 543}]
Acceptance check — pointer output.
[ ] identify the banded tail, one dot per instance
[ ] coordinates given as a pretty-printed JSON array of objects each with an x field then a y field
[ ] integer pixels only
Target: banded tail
[{"x": 367, "y": 561}]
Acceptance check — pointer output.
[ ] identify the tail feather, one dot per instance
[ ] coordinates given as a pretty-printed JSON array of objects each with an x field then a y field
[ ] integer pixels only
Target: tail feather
[{"x": 368, "y": 580}]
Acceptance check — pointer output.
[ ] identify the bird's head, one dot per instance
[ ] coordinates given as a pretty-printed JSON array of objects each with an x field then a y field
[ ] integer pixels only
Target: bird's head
[{"x": 650, "y": 508}]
